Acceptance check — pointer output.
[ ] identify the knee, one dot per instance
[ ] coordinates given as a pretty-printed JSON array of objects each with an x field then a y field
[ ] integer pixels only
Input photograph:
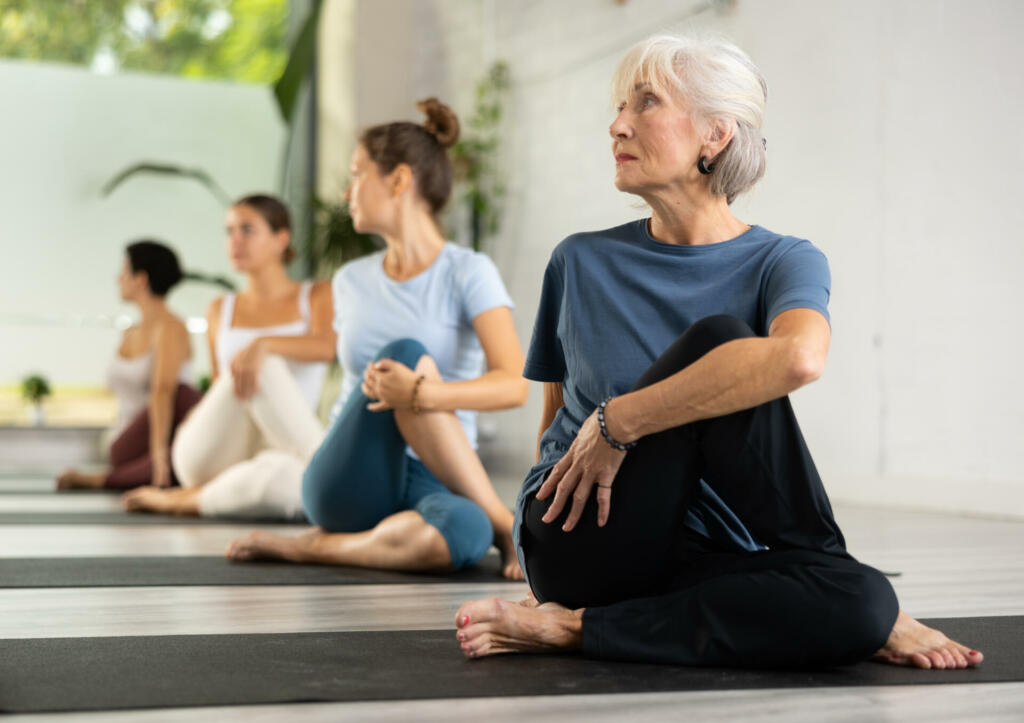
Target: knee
[
  {"x": 273, "y": 367},
  {"x": 185, "y": 463},
  {"x": 406, "y": 351},
  {"x": 878, "y": 610},
  {"x": 718, "y": 329},
  {"x": 462, "y": 524}
]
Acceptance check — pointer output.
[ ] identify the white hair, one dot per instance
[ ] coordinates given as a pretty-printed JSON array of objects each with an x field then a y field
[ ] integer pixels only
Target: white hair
[{"x": 716, "y": 81}]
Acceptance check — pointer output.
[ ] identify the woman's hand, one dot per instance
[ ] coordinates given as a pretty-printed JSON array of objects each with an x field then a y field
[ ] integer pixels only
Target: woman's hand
[
  {"x": 245, "y": 368},
  {"x": 161, "y": 470},
  {"x": 390, "y": 383},
  {"x": 590, "y": 462}
]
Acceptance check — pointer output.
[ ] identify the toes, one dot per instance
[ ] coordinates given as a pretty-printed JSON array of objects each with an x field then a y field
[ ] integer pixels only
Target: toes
[
  {"x": 921, "y": 660},
  {"x": 937, "y": 659}
]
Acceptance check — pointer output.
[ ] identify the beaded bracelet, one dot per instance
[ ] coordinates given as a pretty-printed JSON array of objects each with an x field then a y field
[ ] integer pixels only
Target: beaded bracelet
[
  {"x": 415, "y": 393},
  {"x": 604, "y": 429}
]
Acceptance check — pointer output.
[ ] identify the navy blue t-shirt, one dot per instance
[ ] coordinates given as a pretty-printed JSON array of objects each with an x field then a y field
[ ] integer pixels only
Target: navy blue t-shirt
[{"x": 614, "y": 300}]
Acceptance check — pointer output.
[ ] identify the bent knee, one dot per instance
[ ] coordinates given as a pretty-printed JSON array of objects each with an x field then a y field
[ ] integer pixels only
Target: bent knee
[
  {"x": 467, "y": 531},
  {"x": 406, "y": 351}
]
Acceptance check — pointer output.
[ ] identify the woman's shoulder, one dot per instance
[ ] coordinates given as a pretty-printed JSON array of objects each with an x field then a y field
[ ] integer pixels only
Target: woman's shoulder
[
  {"x": 357, "y": 267},
  {"x": 780, "y": 245},
  {"x": 576, "y": 243}
]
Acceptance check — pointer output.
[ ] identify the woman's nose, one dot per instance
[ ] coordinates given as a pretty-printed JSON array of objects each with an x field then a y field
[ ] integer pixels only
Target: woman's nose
[{"x": 620, "y": 128}]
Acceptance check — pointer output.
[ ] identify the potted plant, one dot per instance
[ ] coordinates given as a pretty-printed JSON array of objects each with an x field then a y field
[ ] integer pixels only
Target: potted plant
[{"x": 35, "y": 388}]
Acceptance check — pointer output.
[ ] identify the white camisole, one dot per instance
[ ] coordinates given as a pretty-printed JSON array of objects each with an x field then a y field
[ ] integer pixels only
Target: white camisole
[
  {"x": 130, "y": 379},
  {"x": 232, "y": 339}
]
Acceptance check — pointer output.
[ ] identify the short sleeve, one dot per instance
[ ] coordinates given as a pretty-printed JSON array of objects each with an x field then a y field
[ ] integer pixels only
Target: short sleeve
[
  {"x": 799, "y": 280},
  {"x": 482, "y": 287},
  {"x": 545, "y": 360}
]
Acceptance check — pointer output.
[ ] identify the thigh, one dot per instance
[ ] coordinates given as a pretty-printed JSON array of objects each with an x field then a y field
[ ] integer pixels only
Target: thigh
[
  {"x": 133, "y": 442},
  {"x": 216, "y": 435},
  {"x": 461, "y": 522}
]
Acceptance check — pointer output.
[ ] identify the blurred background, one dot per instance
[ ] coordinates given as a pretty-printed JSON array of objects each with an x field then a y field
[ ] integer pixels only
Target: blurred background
[{"x": 894, "y": 145}]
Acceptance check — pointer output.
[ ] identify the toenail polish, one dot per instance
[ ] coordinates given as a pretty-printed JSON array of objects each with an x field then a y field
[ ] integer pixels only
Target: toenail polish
[
  {"x": 465, "y": 620},
  {"x": 974, "y": 652},
  {"x": 461, "y": 636}
]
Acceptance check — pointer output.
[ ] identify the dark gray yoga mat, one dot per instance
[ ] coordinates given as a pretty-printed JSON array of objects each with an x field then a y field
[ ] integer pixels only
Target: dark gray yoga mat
[
  {"x": 64, "y": 674},
  {"x": 126, "y": 518},
  {"x": 213, "y": 570}
]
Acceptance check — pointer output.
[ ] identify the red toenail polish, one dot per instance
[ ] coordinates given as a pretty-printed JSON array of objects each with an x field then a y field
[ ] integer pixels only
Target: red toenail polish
[
  {"x": 465, "y": 620},
  {"x": 974, "y": 652},
  {"x": 461, "y": 636}
]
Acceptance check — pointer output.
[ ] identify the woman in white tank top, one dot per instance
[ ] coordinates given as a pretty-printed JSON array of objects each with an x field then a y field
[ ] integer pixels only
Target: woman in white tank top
[
  {"x": 269, "y": 348},
  {"x": 149, "y": 374}
]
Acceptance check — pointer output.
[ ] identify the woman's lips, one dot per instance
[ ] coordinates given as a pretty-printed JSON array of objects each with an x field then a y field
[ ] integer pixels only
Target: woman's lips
[{"x": 624, "y": 157}]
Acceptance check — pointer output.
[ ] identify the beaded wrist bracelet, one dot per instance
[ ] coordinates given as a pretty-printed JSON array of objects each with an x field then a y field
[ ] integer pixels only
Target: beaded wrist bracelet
[
  {"x": 415, "y": 394},
  {"x": 604, "y": 429}
]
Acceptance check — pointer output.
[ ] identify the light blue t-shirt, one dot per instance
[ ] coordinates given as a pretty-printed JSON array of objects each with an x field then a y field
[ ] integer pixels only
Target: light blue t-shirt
[
  {"x": 614, "y": 300},
  {"x": 436, "y": 307}
]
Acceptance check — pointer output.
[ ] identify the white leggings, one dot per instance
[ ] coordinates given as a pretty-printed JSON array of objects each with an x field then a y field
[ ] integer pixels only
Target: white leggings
[{"x": 248, "y": 456}]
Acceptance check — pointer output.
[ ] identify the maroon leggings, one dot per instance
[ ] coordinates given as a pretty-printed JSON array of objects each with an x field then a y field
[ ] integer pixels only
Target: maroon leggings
[{"x": 129, "y": 454}]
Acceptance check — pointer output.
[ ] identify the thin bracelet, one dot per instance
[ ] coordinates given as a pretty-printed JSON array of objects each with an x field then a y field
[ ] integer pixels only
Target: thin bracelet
[
  {"x": 415, "y": 394},
  {"x": 604, "y": 429}
]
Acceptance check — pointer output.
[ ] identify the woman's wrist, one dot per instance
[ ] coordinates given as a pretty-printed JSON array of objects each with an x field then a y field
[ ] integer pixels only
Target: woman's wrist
[
  {"x": 616, "y": 421},
  {"x": 427, "y": 397}
]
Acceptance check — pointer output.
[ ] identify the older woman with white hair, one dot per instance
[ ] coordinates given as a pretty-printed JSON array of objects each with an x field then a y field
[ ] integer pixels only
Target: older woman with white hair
[{"x": 675, "y": 513}]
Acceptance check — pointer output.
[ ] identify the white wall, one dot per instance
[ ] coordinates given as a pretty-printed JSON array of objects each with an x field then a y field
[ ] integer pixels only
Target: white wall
[
  {"x": 64, "y": 132},
  {"x": 894, "y": 145}
]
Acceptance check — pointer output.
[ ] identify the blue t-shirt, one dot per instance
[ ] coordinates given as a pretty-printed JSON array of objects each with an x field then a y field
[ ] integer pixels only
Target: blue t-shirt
[
  {"x": 613, "y": 301},
  {"x": 436, "y": 307}
]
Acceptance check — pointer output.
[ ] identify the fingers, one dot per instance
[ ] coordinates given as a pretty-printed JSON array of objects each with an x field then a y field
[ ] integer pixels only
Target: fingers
[
  {"x": 565, "y": 489},
  {"x": 378, "y": 406},
  {"x": 604, "y": 501},
  {"x": 555, "y": 476},
  {"x": 579, "y": 500}
]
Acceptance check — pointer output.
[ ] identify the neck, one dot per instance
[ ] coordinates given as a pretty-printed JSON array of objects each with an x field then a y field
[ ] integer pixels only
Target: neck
[
  {"x": 270, "y": 281},
  {"x": 692, "y": 218},
  {"x": 413, "y": 247},
  {"x": 152, "y": 307}
]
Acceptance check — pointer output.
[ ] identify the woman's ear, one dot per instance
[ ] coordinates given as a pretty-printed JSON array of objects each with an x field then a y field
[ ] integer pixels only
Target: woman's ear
[
  {"x": 720, "y": 132},
  {"x": 400, "y": 179}
]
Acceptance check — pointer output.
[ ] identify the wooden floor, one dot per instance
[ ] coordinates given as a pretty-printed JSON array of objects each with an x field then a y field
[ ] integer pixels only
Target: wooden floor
[{"x": 950, "y": 566}]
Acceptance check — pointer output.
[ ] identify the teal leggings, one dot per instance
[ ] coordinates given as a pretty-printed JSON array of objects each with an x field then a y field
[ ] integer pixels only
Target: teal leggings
[{"x": 362, "y": 474}]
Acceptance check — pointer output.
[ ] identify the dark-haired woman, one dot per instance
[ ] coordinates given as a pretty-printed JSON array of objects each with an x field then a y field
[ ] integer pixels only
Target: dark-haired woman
[
  {"x": 149, "y": 374},
  {"x": 397, "y": 483},
  {"x": 242, "y": 451}
]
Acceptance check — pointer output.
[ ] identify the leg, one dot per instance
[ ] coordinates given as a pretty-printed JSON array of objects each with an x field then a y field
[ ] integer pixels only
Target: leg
[
  {"x": 282, "y": 414},
  {"x": 182, "y": 501},
  {"x": 266, "y": 487},
  {"x": 217, "y": 434},
  {"x": 402, "y": 541},
  {"x": 439, "y": 440}
]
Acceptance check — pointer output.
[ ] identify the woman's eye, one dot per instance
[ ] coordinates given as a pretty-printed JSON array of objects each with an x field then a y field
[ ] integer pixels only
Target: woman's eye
[{"x": 647, "y": 101}]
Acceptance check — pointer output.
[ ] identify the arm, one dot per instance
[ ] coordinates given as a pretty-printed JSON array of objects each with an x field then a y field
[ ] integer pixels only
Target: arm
[
  {"x": 501, "y": 387},
  {"x": 172, "y": 349},
  {"x": 736, "y": 375},
  {"x": 212, "y": 329},
  {"x": 552, "y": 403}
]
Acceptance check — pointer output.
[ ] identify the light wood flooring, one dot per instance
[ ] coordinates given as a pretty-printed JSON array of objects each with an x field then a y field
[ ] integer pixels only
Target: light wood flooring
[{"x": 950, "y": 566}]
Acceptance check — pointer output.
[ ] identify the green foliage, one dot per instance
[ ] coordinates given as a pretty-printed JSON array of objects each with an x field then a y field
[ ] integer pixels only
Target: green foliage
[
  {"x": 334, "y": 240},
  {"x": 242, "y": 40},
  {"x": 166, "y": 169},
  {"x": 300, "y": 59},
  {"x": 481, "y": 185},
  {"x": 35, "y": 388}
]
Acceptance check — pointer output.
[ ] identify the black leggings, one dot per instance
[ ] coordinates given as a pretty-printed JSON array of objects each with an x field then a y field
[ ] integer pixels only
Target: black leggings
[{"x": 654, "y": 591}]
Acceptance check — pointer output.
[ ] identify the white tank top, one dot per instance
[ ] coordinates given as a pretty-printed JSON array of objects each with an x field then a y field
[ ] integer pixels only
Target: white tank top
[
  {"x": 130, "y": 381},
  {"x": 232, "y": 339}
]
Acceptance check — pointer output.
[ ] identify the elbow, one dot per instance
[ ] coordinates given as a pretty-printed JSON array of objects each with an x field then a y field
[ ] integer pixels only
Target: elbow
[
  {"x": 522, "y": 392},
  {"x": 804, "y": 365}
]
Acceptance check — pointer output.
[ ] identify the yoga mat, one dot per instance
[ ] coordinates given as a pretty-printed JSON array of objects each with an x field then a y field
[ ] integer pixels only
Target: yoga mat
[
  {"x": 126, "y": 518},
  {"x": 213, "y": 570},
  {"x": 65, "y": 674}
]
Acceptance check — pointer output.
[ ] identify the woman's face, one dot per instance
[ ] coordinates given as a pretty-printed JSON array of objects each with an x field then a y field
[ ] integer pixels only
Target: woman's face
[
  {"x": 370, "y": 200},
  {"x": 129, "y": 283},
  {"x": 251, "y": 243},
  {"x": 654, "y": 141}
]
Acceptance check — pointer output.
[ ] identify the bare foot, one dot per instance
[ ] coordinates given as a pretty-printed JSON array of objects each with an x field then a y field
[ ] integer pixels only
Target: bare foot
[
  {"x": 911, "y": 643},
  {"x": 509, "y": 560},
  {"x": 261, "y": 545},
  {"x": 74, "y": 480},
  {"x": 494, "y": 626},
  {"x": 164, "y": 501}
]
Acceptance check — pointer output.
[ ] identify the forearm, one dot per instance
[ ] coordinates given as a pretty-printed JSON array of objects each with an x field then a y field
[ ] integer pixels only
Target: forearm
[
  {"x": 737, "y": 375},
  {"x": 161, "y": 417},
  {"x": 496, "y": 389},
  {"x": 300, "y": 348}
]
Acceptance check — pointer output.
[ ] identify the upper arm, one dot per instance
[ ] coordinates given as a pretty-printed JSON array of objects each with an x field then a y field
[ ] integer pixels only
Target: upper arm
[
  {"x": 172, "y": 349},
  {"x": 808, "y": 334},
  {"x": 321, "y": 303},
  {"x": 212, "y": 329},
  {"x": 497, "y": 334},
  {"x": 553, "y": 401}
]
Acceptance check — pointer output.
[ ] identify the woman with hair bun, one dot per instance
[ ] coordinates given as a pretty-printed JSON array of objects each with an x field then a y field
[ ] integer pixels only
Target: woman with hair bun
[
  {"x": 149, "y": 374},
  {"x": 397, "y": 483},
  {"x": 242, "y": 450},
  {"x": 675, "y": 514}
]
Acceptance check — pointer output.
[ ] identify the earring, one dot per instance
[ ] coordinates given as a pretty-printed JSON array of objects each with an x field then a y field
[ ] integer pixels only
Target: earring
[{"x": 703, "y": 167}]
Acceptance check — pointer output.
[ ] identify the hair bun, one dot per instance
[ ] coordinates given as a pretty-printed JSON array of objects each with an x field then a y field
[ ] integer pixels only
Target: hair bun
[{"x": 441, "y": 122}]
